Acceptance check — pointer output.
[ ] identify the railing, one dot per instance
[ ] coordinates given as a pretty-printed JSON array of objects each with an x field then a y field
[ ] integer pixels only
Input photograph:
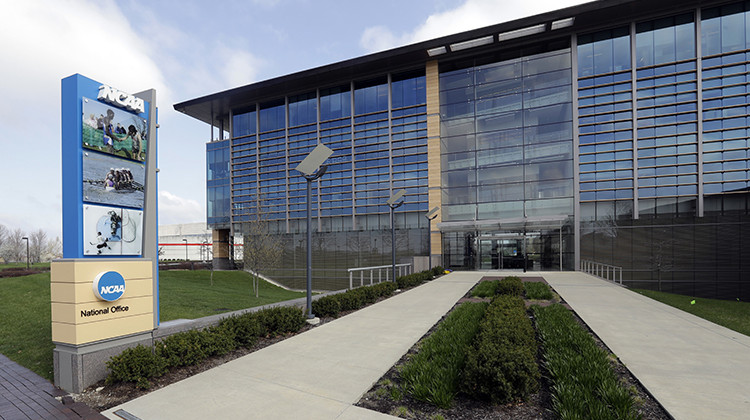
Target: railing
[
  {"x": 612, "y": 273},
  {"x": 403, "y": 269}
]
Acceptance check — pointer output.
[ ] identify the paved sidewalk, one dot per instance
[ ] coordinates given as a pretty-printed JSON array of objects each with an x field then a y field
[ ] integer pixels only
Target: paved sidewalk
[
  {"x": 694, "y": 368},
  {"x": 25, "y": 395},
  {"x": 315, "y": 375}
]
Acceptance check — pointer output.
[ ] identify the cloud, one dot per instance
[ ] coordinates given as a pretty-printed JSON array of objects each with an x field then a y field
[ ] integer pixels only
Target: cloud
[
  {"x": 239, "y": 67},
  {"x": 54, "y": 39},
  {"x": 174, "y": 209},
  {"x": 131, "y": 50},
  {"x": 470, "y": 15},
  {"x": 379, "y": 38}
]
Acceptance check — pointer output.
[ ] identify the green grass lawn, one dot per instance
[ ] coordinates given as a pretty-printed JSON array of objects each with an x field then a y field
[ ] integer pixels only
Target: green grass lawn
[
  {"x": 189, "y": 294},
  {"x": 728, "y": 313},
  {"x": 23, "y": 265},
  {"x": 25, "y": 326},
  {"x": 25, "y": 320}
]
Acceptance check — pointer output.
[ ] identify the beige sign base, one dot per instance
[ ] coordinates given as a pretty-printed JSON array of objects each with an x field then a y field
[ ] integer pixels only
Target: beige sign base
[
  {"x": 79, "y": 317},
  {"x": 86, "y": 330}
]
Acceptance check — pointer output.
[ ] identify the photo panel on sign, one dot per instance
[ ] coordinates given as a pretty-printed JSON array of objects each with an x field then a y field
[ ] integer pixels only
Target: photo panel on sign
[
  {"x": 112, "y": 231},
  {"x": 113, "y": 131},
  {"x": 113, "y": 181},
  {"x": 132, "y": 232},
  {"x": 102, "y": 230}
]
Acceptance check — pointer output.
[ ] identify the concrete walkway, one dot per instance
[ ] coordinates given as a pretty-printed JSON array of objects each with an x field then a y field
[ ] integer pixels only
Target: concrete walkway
[
  {"x": 694, "y": 368},
  {"x": 315, "y": 375}
]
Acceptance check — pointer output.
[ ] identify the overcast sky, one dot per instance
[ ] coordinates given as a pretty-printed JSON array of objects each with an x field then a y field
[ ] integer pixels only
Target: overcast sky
[{"x": 184, "y": 49}]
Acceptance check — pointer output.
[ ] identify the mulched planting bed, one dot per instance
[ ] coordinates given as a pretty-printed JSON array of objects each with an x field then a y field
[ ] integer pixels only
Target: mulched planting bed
[
  {"x": 20, "y": 271},
  {"x": 102, "y": 397},
  {"x": 538, "y": 406}
]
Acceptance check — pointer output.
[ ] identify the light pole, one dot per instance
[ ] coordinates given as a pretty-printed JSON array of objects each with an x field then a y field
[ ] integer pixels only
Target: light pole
[
  {"x": 27, "y": 251},
  {"x": 186, "y": 250},
  {"x": 393, "y": 204},
  {"x": 431, "y": 215},
  {"x": 312, "y": 168}
]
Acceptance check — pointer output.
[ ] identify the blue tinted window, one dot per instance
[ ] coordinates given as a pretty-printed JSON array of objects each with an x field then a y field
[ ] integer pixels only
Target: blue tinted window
[
  {"x": 303, "y": 109},
  {"x": 335, "y": 103},
  {"x": 272, "y": 117},
  {"x": 407, "y": 91},
  {"x": 604, "y": 52},
  {"x": 243, "y": 124},
  {"x": 665, "y": 40},
  {"x": 371, "y": 97}
]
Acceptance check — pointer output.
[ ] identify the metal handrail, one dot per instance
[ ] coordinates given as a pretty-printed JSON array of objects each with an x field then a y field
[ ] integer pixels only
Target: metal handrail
[
  {"x": 403, "y": 269},
  {"x": 605, "y": 271}
]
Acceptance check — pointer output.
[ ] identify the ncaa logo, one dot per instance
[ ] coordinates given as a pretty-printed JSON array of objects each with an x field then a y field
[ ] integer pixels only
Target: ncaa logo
[{"x": 109, "y": 286}]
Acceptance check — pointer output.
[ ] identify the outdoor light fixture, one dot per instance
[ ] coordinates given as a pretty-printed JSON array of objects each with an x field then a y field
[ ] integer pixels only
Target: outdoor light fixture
[
  {"x": 393, "y": 205},
  {"x": 395, "y": 197},
  {"x": 431, "y": 215},
  {"x": 27, "y": 251},
  {"x": 311, "y": 169}
]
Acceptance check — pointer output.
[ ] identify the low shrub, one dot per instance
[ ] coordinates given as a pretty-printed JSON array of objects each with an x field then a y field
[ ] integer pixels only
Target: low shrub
[
  {"x": 367, "y": 294},
  {"x": 218, "y": 342},
  {"x": 244, "y": 329},
  {"x": 384, "y": 289},
  {"x": 182, "y": 349},
  {"x": 332, "y": 305},
  {"x": 433, "y": 374},
  {"x": 583, "y": 382},
  {"x": 137, "y": 364},
  {"x": 537, "y": 291},
  {"x": 188, "y": 348},
  {"x": 192, "y": 347},
  {"x": 437, "y": 271},
  {"x": 485, "y": 289},
  {"x": 351, "y": 300},
  {"x": 510, "y": 285},
  {"x": 279, "y": 320},
  {"x": 326, "y": 306},
  {"x": 501, "y": 366},
  {"x": 414, "y": 279}
]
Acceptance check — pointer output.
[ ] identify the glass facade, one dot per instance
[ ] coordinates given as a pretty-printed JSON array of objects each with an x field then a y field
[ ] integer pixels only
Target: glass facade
[
  {"x": 217, "y": 185},
  {"x": 377, "y": 129},
  {"x": 625, "y": 145},
  {"x": 663, "y": 151},
  {"x": 507, "y": 157}
]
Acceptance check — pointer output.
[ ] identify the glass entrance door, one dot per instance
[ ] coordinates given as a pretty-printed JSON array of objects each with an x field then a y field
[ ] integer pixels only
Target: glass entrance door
[{"x": 500, "y": 252}]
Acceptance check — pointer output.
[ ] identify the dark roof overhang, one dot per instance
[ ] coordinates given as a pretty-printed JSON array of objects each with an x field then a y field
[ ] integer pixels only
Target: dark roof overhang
[{"x": 588, "y": 17}]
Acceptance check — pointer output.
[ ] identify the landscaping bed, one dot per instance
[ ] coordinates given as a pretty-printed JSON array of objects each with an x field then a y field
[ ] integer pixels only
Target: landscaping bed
[
  {"x": 140, "y": 370},
  {"x": 391, "y": 394}
]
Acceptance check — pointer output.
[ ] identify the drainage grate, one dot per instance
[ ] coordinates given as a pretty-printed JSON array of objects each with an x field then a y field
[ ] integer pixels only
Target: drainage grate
[{"x": 125, "y": 415}]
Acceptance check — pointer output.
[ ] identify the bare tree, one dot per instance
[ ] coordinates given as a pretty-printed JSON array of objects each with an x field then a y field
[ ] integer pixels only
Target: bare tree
[
  {"x": 14, "y": 248},
  {"x": 3, "y": 235},
  {"x": 661, "y": 258},
  {"x": 37, "y": 245},
  {"x": 261, "y": 249},
  {"x": 53, "y": 249}
]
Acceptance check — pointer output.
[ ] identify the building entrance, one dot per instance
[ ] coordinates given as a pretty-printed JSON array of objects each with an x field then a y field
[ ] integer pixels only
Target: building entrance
[
  {"x": 500, "y": 252},
  {"x": 533, "y": 246}
]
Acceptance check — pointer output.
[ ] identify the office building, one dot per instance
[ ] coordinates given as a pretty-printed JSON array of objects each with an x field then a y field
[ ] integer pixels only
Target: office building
[{"x": 615, "y": 131}]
